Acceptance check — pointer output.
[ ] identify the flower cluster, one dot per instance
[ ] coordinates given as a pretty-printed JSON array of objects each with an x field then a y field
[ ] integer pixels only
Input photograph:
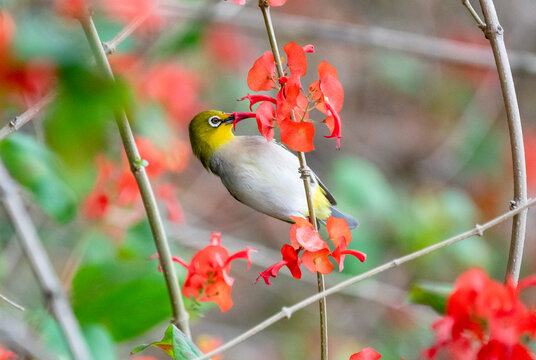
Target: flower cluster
[
  {"x": 290, "y": 108},
  {"x": 316, "y": 252},
  {"x": 116, "y": 188},
  {"x": 485, "y": 320},
  {"x": 208, "y": 277}
]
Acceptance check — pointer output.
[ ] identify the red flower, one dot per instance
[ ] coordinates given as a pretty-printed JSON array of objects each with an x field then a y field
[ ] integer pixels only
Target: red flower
[
  {"x": 366, "y": 354},
  {"x": 297, "y": 135},
  {"x": 71, "y": 8},
  {"x": 485, "y": 320},
  {"x": 290, "y": 260},
  {"x": 265, "y": 120},
  {"x": 297, "y": 63},
  {"x": 261, "y": 77},
  {"x": 7, "y": 31},
  {"x": 174, "y": 87},
  {"x": 208, "y": 277},
  {"x": 317, "y": 261}
]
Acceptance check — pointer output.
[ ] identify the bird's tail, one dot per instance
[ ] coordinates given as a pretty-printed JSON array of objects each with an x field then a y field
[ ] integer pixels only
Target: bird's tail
[{"x": 352, "y": 222}]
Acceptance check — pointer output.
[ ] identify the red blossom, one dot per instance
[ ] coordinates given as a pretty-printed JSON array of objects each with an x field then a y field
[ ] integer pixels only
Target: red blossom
[
  {"x": 261, "y": 77},
  {"x": 174, "y": 87},
  {"x": 71, "y": 8},
  {"x": 485, "y": 320},
  {"x": 7, "y": 31},
  {"x": 96, "y": 204},
  {"x": 366, "y": 354},
  {"x": 296, "y": 60},
  {"x": 317, "y": 261},
  {"x": 253, "y": 99},
  {"x": 297, "y": 135},
  {"x": 265, "y": 120},
  {"x": 290, "y": 260},
  {"x": 208, "y": 277}
]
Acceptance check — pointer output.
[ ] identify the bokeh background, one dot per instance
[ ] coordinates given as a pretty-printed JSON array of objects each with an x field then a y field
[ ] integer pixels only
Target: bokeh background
[{"x": 425, "y": 155}]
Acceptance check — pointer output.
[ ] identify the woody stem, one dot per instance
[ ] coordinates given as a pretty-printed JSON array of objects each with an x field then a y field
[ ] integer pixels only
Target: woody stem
[{"x": 306, "y": 177}]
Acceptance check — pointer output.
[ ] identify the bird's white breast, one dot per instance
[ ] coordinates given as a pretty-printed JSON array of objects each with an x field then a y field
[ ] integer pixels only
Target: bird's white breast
[{"x": 262, "y": 175}]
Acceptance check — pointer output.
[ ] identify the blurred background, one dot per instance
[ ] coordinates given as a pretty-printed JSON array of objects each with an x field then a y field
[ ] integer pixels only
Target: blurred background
[{"x": 425, "y": 156}]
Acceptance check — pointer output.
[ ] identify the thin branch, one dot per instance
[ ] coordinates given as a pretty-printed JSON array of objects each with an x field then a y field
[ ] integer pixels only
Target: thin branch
[
  {"x": 306, "y": 177},
  {"x": 26, "y": 116},
  {"x": 286, "y": 312},
  {"x": 347, "y": 33},
  {"x": 180, "y": 316},
  {"x": 11, "y": 302},
  {"x": 494, "y": 33},
  {"x": 473, "y": 13},
  {"x": 42, "y": 267},
  {"x": 111, "y": 46}
]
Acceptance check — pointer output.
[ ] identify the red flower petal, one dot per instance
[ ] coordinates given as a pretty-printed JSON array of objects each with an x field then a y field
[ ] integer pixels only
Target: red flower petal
[
  {"x": 297, "y": 135},
  {"x": 277, "y": 2},
  {"x": 261, "y": 75},
  {"x": 296, "y": 59},
  {"x": 309, "y": 48},
  {"x": 310, "y": 239},
  {"x": 253, "y": 99},
  {"x": 271, "y": 272},
  {"x": 317, "y": 261},
  {"x": 243, "y": 254},
  {"x": 338, "y": 230},
  {"x": 366, "y": 354},
  {"x": 290, "y": 257},
  {"x": 265, "y": 120}
]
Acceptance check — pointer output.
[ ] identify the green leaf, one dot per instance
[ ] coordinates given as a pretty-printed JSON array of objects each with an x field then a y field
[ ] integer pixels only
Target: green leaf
[
  {"x": 432, "y": 294},
  {"x": 81, "y": 117},
  {"x": 40, "y": 171},
  {"x": 127, "y": 296},
  {"x": 175, "y": 344}
]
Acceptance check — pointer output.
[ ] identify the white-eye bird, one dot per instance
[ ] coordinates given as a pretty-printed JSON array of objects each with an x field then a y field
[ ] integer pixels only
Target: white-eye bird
[{"x": 263, "y": 175}]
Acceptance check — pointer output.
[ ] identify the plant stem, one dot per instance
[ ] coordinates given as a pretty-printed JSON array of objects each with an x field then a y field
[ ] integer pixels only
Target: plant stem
[
  {"x": 286, "y": 312},
  {"x": 180, "y": 315},
  {"x": 494, "y": 33},
  {"x": 306, "y": 177},
  {"x": 42, "y": 267}
]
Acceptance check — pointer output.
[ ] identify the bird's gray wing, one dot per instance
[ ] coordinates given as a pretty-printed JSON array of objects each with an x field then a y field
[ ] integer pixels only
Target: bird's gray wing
[{"x": 315, "y": 178}]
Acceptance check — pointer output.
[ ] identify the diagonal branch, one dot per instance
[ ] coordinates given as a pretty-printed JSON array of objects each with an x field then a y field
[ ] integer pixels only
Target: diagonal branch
[
  {"x": 180, "y": 316},
  {"x": 286, "y": 312},
  {"x": 41, "y": 267},
  {"x": 495, "y": 34}
]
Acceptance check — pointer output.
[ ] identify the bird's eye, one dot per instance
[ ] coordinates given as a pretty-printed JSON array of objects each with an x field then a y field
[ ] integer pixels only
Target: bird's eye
[{"x": 214, "y": 121}]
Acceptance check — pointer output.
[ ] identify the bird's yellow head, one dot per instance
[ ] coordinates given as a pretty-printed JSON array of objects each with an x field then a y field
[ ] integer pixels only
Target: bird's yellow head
[{"x": 211, "y": 129}]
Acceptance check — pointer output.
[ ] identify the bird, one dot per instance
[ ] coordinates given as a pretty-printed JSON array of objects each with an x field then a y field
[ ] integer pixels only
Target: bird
[{"x": 259, "y": 173}]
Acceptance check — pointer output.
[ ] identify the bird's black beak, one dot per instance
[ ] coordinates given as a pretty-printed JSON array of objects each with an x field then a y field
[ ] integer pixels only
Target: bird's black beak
[
  {"x": 235, "y": 117},
  {"x": 230, "y": 119}
]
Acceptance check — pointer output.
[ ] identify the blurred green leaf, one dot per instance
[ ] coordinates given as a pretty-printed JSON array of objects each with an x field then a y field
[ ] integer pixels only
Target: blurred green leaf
[
  {"x": 128, "y": 297},
  {"x": 432, "y": 294},
  {"x": 40, "y": 171},
  {"x": 175, "y": 344},
  {"x": 77, "y": 128},
  {"x": 40, "y": 35},
  {"x": 185, "y": 38},
  {"x": 100, "y": 343},
  {"x": 401, "y": 72}
]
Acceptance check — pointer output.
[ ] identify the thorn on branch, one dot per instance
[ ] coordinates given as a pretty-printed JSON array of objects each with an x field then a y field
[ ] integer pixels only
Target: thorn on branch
[
  {"x": 13, "y": 123},
  {"x": 513, "y": 204},
  {"x": 286, "y": 311},
  {"x": 479, "y": 230}
]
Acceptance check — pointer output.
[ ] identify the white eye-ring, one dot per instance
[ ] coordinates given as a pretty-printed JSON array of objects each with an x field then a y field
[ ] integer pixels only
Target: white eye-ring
[{"x": 214, "y": 121}]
